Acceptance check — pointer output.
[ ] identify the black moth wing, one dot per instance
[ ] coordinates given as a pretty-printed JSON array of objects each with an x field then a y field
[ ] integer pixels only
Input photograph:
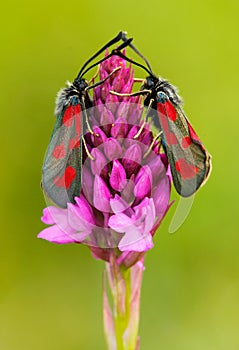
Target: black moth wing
[
  {"x": 189, "y": 160},
  {"x": 61, "y": 173}
]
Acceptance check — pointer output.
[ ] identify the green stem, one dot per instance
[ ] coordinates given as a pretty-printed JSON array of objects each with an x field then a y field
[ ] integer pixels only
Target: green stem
[
  {"x": 122, "y": 320},
  {"x": 122, "y": 286}
]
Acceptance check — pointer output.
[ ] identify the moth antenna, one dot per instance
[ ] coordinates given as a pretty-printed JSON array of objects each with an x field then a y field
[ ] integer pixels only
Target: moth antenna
[{"x": 138, "y": 52}]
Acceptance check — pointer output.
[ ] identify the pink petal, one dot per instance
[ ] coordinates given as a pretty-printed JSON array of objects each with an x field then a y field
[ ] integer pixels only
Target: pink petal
[
  {"x": 106, "y": 117},
  {"x": 119, "y": 205},
  {"x": 123, "y": 110},
  {"x": 104, "y": 90},
  {"x": 112, "y": 102},
  {"x": 101, "y": 195},
  {"x": 132, "y": 159},
  {"x": 98, "y": 137},
  {"x": 120, "y": 222},
  {"x": 150, "y": 216},
  {"x": 161, "y": 196},
  {"x": 56, "y": 235},
  {"x": 54, "y": 215},
  {"x": 80, "y": 218},
  {"x": 133, "y": 131},
  {"x": 127, "y": 87},
  {"x": 118, "y": 176},
  {"x": 47, "y": 217},
  {"x": 112, "y": 149},
  {"x": 118, "y": 82},
  {"x": 134, "y": 241},
  {"x": 157, "y": 167},
  {"x": 143, "y": 182},
  {"x": 119, "y": 129},
  {"x": 99, "y": 163},
  {"x": 87, "y": 183},
  {"x": 85, "y": 209}
]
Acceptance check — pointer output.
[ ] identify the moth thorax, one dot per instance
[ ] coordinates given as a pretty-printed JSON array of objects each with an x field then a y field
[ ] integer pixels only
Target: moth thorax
[
  {"x": 161, "y": 97},
  {"x": 170, "y": 91}
]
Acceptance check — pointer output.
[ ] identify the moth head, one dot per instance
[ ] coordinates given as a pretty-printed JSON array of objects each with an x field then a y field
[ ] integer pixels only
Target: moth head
[
  {"x": 80, "y": 84},
  {"x": 150, "y": 82}
]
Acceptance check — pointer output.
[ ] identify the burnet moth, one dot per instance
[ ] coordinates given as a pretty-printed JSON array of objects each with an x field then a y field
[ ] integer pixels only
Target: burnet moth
[
  {"x": 61, "y": 172},
  {"x": 190, "y": 163}
]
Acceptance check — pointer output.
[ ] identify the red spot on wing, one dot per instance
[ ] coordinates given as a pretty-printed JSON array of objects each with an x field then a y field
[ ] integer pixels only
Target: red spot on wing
[
  {"x": 74, "y": 143},
  {"x": 70, "y": 112},
  {"x": 171, "y": 138},
  {"x": 66, "y": 179},
  {"x": 161, "y": 108},
  {"x": 187, "y": 171},
  {"x": 171, "y": 111},
  {"x": 59, "y": 151},
  {"x": 186, "y": 141}
]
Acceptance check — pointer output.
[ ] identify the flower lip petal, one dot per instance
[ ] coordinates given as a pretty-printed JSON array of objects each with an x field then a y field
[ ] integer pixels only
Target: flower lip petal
[
  {"x": 136, "y": 229},
  {"x": 120, "y": 222},
  {"x": 119, "y": 205},
  {"x": 135, "y": 242},
  {"x": 55, "y": 235},
  {"x": 54, "y": 215},
  {"x": 47, "y": 217}
]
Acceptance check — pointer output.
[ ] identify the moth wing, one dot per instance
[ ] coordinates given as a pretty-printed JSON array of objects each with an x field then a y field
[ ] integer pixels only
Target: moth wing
[
  {"x": 189, "y": 161},
  {"x": 61, "y": 172}
]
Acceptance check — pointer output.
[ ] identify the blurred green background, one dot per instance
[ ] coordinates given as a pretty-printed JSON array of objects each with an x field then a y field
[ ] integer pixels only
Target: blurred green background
[{"x": 50, "y": 296}]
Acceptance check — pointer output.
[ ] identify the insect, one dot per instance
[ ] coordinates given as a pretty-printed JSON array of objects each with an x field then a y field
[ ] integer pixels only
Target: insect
[
  {"x": 190, "y": 163},
  {"x": 61, "y": 172}
]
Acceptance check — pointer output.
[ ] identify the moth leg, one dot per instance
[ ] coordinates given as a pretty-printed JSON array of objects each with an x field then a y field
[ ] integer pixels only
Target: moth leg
[
  {"x": 149, "y": 106},
  {"x": 86, "y": 117},
  {"x": 152, "y": 144},
  {"x": 93, "y": 86},
  {"x": 140, "y": 130},
  {"x": 103, "y": 80},
  {"x": 142, "y": 92},
  {"x": 138, "y": 80},
  {"x": 86, "y": 149},
  {"x": 145, "y": 119}
]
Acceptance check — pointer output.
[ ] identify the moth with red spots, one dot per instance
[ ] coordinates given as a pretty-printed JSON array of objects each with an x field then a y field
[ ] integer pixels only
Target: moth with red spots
[
  {"x": 61, "y": 172},
  {"x": 190, "y": 162}
]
